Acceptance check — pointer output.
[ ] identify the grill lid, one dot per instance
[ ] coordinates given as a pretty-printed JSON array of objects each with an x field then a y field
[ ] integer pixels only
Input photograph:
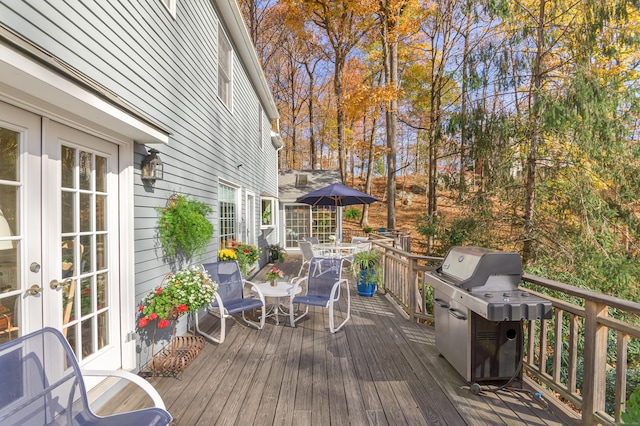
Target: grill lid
[{"x": 470, "y": 267}]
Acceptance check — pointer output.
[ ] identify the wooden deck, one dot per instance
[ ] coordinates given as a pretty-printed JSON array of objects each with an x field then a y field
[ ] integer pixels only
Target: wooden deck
[{"x": 381, "y": 369}]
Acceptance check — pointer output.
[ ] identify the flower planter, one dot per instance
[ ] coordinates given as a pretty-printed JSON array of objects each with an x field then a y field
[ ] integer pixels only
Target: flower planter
[{"x": 366, "y": 287}]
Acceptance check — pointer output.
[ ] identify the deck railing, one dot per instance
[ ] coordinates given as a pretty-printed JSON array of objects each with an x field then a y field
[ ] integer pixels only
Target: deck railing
[{"x": 553, "y": 347}]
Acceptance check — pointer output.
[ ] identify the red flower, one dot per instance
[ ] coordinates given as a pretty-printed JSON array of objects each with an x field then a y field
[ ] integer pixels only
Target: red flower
[
  {"x": 183, "y": 308},
  {"x": 153, "y": 316},
  {"x": 85, "y": 292},
  {"x": 163, "y": 323},
  {"x": 159, "y": 290},
  {"x": 140, "y": 308},
  {"x": 143, "y": 322},
  {"x": 246, "y": 251}
]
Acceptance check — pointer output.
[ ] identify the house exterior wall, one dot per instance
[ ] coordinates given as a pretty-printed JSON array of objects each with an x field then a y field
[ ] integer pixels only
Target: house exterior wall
[{"x": 165, "y": 67}]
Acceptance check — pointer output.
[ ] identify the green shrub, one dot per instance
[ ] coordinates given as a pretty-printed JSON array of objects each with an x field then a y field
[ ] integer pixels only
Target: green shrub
[{"x": 352, "y": 213}]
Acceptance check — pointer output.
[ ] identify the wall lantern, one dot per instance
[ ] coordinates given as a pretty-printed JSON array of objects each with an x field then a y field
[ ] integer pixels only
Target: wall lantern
[{"x": 151, "y": 166}]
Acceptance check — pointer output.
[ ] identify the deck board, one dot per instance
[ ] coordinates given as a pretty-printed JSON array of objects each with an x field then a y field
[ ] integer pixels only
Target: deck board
[{"x": 380, "y": 369}]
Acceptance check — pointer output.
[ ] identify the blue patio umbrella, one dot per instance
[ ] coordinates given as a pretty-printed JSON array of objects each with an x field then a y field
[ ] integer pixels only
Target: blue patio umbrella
[{"x": 336, "y": 195}]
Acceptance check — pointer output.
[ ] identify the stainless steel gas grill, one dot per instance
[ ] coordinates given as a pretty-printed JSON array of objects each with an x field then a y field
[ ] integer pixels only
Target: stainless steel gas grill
[{"x": 479, "y": 311}]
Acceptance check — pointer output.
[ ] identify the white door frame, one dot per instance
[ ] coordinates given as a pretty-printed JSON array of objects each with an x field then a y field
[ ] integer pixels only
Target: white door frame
[{"x": 250, "y": 218}]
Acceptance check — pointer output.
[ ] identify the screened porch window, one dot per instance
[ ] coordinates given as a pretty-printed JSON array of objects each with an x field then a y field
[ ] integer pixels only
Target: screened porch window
[
  {"x": 228, "y": 207},
  {"x": 305, "y": 221}
]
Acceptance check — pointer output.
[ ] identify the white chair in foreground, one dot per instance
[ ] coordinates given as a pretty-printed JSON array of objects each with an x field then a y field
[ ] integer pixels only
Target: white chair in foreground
[
  {"x": 42, "y": 384},
  {"x": 323, "y": 284}
]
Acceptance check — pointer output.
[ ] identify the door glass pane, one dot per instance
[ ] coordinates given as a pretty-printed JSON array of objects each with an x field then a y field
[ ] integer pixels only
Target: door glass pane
[
  {"x": 9, "y": 140},
  {"x": 86, "y": 250},
  {"x": 68, "y": 160},
  {"x": 8, "y": 243},
  {"x": 297, "y": 224},
  {"x": 85, "y": 296},
  {"x": 85, "y": 170},
  {"x": 9, "y": 317},
  {"x": 10, "y": 238},
  {"x": 85, "y": 212},
  {"x": 101, "y": 212},
  {"x": 101, "y": 174},
  {"x": 87, "y": 337},
  {"x": 68, "y": 212},
  {"x": 101, "y": 252}
]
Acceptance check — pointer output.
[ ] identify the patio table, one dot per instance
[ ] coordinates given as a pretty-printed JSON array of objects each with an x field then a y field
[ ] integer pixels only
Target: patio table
[
  {"x": 283, "y": 289},
  {"x": 343, "y": 250}
]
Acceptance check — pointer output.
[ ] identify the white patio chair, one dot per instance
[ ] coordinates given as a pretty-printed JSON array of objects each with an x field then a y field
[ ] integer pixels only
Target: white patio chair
[
  {"x": 312, "y": 240},
  {"x": 322, "y": 289},
  {"x": 230, "y": 297},
  {"x": 306, "y": 248},
  {"x": 42, "y": 384}
]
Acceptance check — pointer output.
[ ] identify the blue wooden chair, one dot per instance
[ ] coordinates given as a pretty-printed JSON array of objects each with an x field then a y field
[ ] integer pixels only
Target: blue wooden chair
[
  {"x": 230, "y": 297},
  {"x": 42, "y": 384},
  {"x": 322, "y": 289}
]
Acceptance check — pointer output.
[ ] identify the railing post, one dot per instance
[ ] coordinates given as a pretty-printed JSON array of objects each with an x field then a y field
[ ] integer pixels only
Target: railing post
[
  {"x": 413, "y": 296},
  {"x": 595, "y": 362}
]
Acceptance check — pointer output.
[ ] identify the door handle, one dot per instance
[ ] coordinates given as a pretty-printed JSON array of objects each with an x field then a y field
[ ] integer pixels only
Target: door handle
[
  {"x": 55, "y": 284},
  {"x": 34, "y": 290}
]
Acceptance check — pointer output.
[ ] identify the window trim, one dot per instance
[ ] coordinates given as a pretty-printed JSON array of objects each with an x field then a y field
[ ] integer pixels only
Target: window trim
[
  {"x": 238, "y": 213},
  {"x": 274, "y": 212}
]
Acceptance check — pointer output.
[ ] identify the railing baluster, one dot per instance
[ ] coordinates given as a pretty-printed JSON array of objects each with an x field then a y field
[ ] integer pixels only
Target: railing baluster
[
  {"x": 557, "y": 346},
  {"x": 543, "y": 346},
  {"x": 573, "y": 353},
  {"x": 621, "y": 374}
]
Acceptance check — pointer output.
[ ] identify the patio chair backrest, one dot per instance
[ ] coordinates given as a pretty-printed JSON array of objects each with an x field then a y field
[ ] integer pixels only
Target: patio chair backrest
[
  {"x": 307, "y": 250},
  {"x": 230, "y": 283},
  {"x": 41, "y": 380},
  {"x": 312, "y": 240},
  {"x": 323, "y": 274}
]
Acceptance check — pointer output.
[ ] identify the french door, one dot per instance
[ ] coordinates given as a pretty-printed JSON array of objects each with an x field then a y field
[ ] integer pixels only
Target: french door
[{"x": 58, "y": 249}]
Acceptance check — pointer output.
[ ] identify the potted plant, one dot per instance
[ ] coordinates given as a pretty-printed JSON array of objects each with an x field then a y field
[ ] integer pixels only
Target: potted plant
[
  {"x": 276, "y": 252},
  {"x": 246, "y": 254},
  {"x": 183, "y": 227},
  {"x": 367, "y": 263},
  {"x": 182, "y": 292}
]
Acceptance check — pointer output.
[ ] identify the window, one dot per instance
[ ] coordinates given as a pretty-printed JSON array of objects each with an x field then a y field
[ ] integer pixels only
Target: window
[
  {"x": 307, "y": 221},
  {"x": 268, "y": 212},
  {"x": 224, "y": 68},
  {"x": 228, "y": 207},
  {"x": 171, "y": 6},
  {"x": 301, "y": 180}
]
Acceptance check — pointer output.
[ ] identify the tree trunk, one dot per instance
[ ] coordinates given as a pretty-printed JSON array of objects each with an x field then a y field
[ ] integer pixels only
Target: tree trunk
[
  {"x": 338, "y": 89},
  {"x": 530, "y": 184},
  {"x": 312, "y": 140}
]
